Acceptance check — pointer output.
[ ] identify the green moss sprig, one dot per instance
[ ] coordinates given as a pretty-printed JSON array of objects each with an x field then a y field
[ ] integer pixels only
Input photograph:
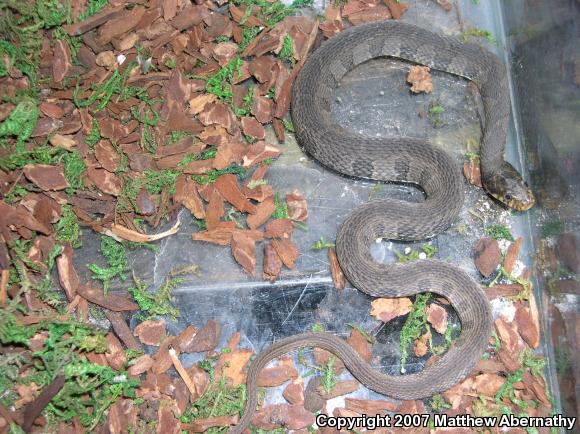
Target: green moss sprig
[
  {"x": 281, "y": 211},
  {"x": 499, "y": 232},
  {"x": 21, "y": 122},
  {"x": 414, "y": 325},
  {"x": 116, "y": 257},
  {"x": 67, "y": 228},
  {"x": 214, "y": 174},
  {"x": 321, "y": 244},
  {"x": 158, "y": 302}
]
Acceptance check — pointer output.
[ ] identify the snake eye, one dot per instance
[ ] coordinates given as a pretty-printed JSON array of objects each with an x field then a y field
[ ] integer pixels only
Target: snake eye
[{"x": 508, "y": 196}]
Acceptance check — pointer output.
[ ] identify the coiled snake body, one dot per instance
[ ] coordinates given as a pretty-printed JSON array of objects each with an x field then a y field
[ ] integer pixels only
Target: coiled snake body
[{"x": 409, "y": 160}]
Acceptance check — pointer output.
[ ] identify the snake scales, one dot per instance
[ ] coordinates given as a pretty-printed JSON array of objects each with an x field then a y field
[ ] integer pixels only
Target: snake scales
[{"x": 409, "y": 160}]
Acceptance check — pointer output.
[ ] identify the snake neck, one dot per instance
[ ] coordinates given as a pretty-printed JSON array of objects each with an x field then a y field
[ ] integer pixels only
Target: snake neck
[{"x": 489, "y": 168}]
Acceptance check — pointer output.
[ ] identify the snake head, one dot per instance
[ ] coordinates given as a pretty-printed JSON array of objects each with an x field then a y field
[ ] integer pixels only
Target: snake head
[{"x": 508, "y": 186}]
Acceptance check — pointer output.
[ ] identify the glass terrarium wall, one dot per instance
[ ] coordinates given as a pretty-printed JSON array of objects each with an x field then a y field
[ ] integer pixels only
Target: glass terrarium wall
[
  {"x": 539, "y": 38},
  {"x": 543, "y": 42}
]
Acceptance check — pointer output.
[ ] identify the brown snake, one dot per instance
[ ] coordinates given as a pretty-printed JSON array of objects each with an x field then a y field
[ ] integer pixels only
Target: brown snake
[{"x": 409, "y": 160}]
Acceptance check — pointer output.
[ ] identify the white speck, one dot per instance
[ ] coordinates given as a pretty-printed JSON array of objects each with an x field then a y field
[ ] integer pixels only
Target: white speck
[
  {"x": 302, "y": 158},
  {"x": 121, "y": 58},
  {"x": 407, "y": 250},
  {"x": 119, "y": 379},
  {"x": 550, "y": 242},
  {"x": 381, "y": 93},
  {"x": 338, "y": 99},
  {"x": 145, "y": 64},
  {"x": 503, "y": 244},
  {"x": 422, "y": 255},
  {"x": 337, "y": 402},
  {"x": 518, "y": 268},
  {"x": 378, "y": 240},
  {"x": 503, "y": 307}
]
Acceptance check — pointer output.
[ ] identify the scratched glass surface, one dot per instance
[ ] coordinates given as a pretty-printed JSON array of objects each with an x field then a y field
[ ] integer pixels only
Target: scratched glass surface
[{"x": 374, "y": 99}]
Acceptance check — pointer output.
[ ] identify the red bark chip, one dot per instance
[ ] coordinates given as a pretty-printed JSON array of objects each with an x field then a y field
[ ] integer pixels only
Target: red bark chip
[
  {"x": 261, "y": 68},
  {"x": 262, "y": 109},
  {"x": 259, "y": 193},
  {"x": 361, "y": 345},
  {"x": 287, "y": 251},
  {"x": 112, "y": 302},
  {"x": 294, "y": 392},
  {"x": 279, "y": 228},
  {"x": 51, "y": 110},
  {"x": 186, "y": 193},
  {"x": 527, "y": 327},
  {"x": 144, "y": 204},
  {"x": 472, "y": 172},
  {"x": 397, "y": 8},
  {"x": 251, "y": 127},
  {"x": 205, "y": 340},
  {"x": 377, "y": 13},
  {"x": 338, "y": 277},
  {"x": 512, "y": 254},
  {"x": 244, "y": 252},
  {"x": 202, "y": 425},
  {"x": 297, "y": 206},
  {"x": 120, "y": 25},
  {"x": 62, "y": 60},
  {"x": 263, "y": 212},
  {"x": 437, "y": 317},
  {"x": 218, "y": 113},
  {"x": 275, "y": 376},
  {"x": 272, "y": 266},
  {"x": 106, "y": 181},
  {"x": 223, "y": 235},
  {"x": 65, "y": 142},
  {"x": 260, "y": 152},
  {"x": 107, "y": 155},
  {"x": 487, "y": 256},
  {"x": 349, "y": 8},
  {"x": 368, "y": 406},
  {"x": 420, "y": 79},
  {"x": 228, "y": 187},
  {"x": 151, "y": 332},
  {"x": 224, "y": 52},
  {"x": 229, "y": 153},
  {"x": 67, "y": 274},
  {"x": 46, "y": 177},
  {"x": 292, "y": 417},
  {"x": 341, "y": 388}
]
